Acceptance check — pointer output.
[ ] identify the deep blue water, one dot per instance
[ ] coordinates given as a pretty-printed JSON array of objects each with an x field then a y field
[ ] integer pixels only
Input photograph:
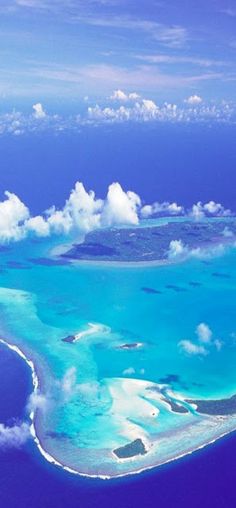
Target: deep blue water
[
  {"x": 207, "y": 478},
  {"x": 167, "y": 162}
]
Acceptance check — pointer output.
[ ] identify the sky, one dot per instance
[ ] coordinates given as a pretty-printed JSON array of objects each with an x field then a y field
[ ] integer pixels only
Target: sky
[{"x": 67, "y": 52}]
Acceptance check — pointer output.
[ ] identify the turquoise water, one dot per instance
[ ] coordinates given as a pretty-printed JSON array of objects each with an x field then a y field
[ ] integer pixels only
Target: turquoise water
[{"x": 99, "y": 395}]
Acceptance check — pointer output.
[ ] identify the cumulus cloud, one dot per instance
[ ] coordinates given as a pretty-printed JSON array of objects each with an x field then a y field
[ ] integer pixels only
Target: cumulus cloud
[
  {"x": 179, "y": 251},
  {"x": 204, "y": 333},
  {"x": 204, "y": 342},
  {"x": 201, "y": 210},
  {"x": 120, "y": 207},
  {"x": 38, "y": 225},
  {"x": 14, "y": 436},
  {"x": 119, "y": 95},
  {"x": 39, "y": 111},
  {"x": 82, "y": 212},
  {"x": 128, "y": 372},
  {"x": 193, "y": 100},
  {"x": 121, "y": 107},
  {"x": 143, "y": 110},
  {"x": 192, "y": 349},
  {"x": 165, "y": 208},
  {"x": 13, "y": 213},
  {"x": 37, "y": 401}
]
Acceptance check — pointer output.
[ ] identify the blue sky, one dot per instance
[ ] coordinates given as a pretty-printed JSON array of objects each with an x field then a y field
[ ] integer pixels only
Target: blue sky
[{"x": 60, "y": 51}]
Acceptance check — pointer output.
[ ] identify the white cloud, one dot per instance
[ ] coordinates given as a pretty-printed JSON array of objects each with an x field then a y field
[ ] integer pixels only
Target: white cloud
[
  {"x": 165, "y": 208},
  {"x": 134, "y": 109},
  {"x": 197, "y": 211},
  {"x": 37, "y": 401},
  {"x": 193, "y": 100},
  {"x": 82, "y": 213},
  {"x": 216, "y": 209},
  {"x": 205, "y": 342},
  {"x": 201, "y": 210},
  {"x": 146, "y": 211},
  {"x": 88, "y": 390},
  {"x": 128, "y": 372},
  {"x": 177, "y": 250},
  {"x": 192, "y": 349},
  {"x": 12, "y": 215},
  {"x": 204, "y": 333},
  {"x": 146, "y": 110},
  {"x": 68, "y": 383},
  {"x": 143, "y": 110},
  {"x": 39, "y": 111},
  {"x": 119, "y": 95},
  {"x": 15, "y": 436},
  {"x": 218, "y": 344},
  {"x": 120, "y": 207},
  {"x": 38, "y": 225}
]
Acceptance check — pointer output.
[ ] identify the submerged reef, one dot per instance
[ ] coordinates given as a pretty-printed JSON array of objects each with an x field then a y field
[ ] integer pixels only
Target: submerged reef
[{"x": 131, "y": 368}]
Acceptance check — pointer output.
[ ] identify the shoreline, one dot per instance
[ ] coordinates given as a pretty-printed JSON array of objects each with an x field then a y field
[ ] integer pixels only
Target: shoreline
[
  {"x": 207, "y": 253},
  {"x": 55, "y": 462}
]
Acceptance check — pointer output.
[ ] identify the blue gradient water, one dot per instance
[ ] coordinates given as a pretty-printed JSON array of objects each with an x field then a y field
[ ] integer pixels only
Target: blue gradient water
[
  {"x": 179, "y": 175},
  {"x": 164, "y": 162}
]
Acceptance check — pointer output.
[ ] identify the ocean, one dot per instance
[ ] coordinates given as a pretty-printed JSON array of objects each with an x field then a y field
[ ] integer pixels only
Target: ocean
[
  {"x": 160, "y": 162},
  {"x": 178, "y": 163}
]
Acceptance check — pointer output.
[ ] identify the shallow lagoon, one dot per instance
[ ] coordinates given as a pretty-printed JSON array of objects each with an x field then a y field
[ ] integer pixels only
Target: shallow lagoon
[{"x": 109, "y": 400}]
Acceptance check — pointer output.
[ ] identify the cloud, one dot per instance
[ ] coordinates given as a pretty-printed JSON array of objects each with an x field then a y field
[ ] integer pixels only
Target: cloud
[
  {"x": 13, "y": 213},
  {"x": 84, "y": 212},
  {"x": 173, "y": 36},
  {"x": 205, "y": 342},
  {"x": 120, "y": 207},
  {"x": 204, "y": 333},
  {"x": 229, "y": 12},
  {"x": 193, "y": 100},
  {"x": 38, "y": 225},
  {"x": 39, "y": 111},
  {"x": 218, "y": 344},
  {"x": 37, "y": 401},
  {"x": 128, "y": 372},
  {"x": 15, "y": 436},
  {"x": 146, "y": 110},
  {"x": 227, "y": 233},
  {"x": 68, "y": 383},
  {"x": 121, "y": 108},
  {"x": 119, "y": 95},
  {"x": 176, "y": 59},
  {"x": 165, "y": 208},
  {"x": 200, "y": 210},
  {"x": 192, "y": 349},
  {"x": 177, "y": 250}
]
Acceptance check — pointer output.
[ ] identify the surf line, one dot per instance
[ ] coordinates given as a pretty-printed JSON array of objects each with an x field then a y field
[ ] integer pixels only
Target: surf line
[
  {"x": 55, "y": 462},
  {"x": 35, "y": 381}
]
